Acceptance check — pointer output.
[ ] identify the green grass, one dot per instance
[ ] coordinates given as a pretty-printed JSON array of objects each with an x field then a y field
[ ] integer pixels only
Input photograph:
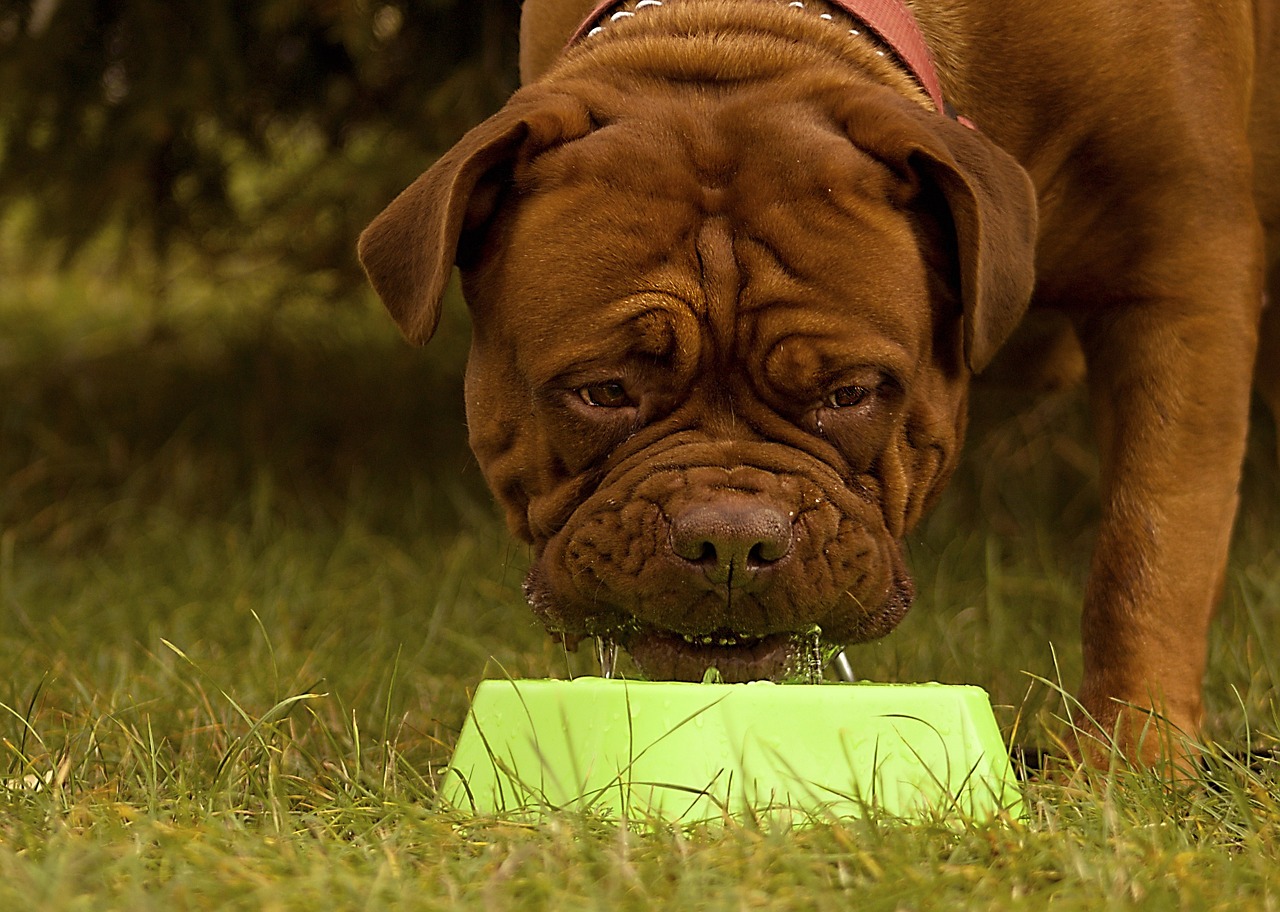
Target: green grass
[{"x": 248, "y": 575}]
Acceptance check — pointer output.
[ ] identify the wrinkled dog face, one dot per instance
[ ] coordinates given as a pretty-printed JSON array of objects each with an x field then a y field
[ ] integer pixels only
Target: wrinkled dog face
[
  {"x": 715, "y": 379},
  {"x": 721, "y": 345}
]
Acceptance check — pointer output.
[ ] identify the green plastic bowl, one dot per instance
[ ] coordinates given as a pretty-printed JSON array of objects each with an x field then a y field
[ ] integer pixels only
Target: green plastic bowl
[{"x": 692, "y": 753}]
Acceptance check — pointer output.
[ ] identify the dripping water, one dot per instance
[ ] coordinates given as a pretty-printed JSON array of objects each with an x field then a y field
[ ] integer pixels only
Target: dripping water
[
  {"x": 809, "y": 659},
  {"x": 813, "y": 659},
  {"x": 607, "y": 656}
]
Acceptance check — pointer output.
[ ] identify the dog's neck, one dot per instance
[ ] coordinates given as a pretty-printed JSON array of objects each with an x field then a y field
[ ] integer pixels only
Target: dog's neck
[{"x": 888, "y": 25}]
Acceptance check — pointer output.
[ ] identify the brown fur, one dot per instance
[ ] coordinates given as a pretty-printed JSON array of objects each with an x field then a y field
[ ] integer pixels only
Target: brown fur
[{"x": 734, "y": 213}]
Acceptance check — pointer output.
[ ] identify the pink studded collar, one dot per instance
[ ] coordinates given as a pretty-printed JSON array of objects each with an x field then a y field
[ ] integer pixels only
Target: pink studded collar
[{"x": 891, "y": 22}]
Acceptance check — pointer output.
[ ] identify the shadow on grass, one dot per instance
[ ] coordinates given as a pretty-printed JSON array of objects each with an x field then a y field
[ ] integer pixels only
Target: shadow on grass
[{"x": 193, "y": 421}]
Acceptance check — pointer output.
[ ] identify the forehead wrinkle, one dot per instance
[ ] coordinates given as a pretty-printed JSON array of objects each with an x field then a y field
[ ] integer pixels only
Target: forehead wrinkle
[
  {"x": 721, "y": 277},
  {"x": 682, "y": 203},
  {"x": 646, "y": 325},
  {"x": 814, "y": 239},
  {"x": 584, "y": 263},
  {"x": 836, "y": 295}
]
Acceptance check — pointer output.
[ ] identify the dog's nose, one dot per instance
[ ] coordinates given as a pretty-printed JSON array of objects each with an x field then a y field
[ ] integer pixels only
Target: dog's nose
[{"x": 732, "y": 538}]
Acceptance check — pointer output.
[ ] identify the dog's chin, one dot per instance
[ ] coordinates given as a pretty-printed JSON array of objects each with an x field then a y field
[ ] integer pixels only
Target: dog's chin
[
  {"x": 663, "y": 655},
  {"x": 668, "y": 655}
]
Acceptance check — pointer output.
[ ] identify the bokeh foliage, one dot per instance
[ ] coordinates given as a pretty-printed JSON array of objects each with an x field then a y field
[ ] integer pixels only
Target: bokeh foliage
[{"x": 270, "y": 126}]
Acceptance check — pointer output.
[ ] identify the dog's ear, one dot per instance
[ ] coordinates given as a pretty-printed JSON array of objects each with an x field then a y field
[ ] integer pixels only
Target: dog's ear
[
  {"x": 993, "y": 208},
  {"x": 409, "y": 249},
  {"x": 992, "y": 205}
]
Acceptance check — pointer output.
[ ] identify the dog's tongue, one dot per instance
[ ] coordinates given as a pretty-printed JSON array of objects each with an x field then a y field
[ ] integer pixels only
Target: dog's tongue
[{"x": 666, "y": 656}]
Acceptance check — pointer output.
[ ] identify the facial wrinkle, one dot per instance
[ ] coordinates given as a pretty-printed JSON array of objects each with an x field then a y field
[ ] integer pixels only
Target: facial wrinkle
[{"x": 721, "y": 280}]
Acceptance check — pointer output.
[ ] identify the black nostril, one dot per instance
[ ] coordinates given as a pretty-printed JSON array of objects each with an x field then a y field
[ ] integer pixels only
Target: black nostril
[{"x": 731, "y": 535}]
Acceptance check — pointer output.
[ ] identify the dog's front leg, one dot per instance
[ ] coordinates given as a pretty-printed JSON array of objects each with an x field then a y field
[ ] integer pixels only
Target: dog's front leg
[{"x": 1169, "y": 380}]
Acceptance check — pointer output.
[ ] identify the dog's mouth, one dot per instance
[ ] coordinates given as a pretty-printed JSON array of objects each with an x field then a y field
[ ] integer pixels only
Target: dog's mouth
[
  {"x": 795, "y": 656},
  {"x": 663, "y": 655},
  {"x": 628, "y": 591}
]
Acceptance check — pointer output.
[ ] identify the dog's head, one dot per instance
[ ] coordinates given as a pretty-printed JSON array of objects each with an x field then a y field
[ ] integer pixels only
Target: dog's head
[{"x": 721, "y": 349}]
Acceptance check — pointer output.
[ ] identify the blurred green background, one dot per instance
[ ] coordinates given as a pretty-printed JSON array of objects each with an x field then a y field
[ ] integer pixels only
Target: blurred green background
[{"x": 264, "y": 128}]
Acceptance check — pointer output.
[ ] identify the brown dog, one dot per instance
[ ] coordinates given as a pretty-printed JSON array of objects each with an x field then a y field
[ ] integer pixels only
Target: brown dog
[{"x": 731, "y": 265}]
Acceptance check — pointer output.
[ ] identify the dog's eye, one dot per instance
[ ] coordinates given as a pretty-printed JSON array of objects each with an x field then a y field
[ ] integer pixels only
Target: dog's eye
[
  {"x": 847, "y": 397},
  {"x": 611, "y": 394}
]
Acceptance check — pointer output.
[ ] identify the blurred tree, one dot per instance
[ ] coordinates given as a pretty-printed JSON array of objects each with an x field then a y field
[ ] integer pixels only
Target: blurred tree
[{"x": 275, "y": 127}]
